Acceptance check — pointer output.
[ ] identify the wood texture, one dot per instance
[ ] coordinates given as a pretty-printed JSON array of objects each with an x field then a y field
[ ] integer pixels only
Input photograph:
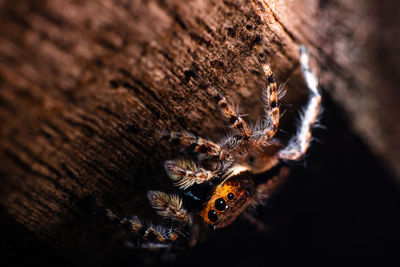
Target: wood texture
[{"x": 84, "y": 85}]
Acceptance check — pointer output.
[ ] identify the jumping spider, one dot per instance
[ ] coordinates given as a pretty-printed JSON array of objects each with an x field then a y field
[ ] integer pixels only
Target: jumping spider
[{"x": 225, "y": 179}]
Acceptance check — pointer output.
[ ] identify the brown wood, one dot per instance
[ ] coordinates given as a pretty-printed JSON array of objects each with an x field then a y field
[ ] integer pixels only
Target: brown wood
[{"x": 84, "y": 85}]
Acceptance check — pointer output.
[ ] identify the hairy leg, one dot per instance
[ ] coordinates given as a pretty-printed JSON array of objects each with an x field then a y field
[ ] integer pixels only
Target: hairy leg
[
  {"x": 148, "y": 233},
  {"x": 230, "y": 114},
  {"x": 185, "y": 173},
  {"x": 299, "y": 144},
  {"x": 170, "y": 207},
  {"x": 156, "y": 236},
  {"x": 198, "y": 144},
  {"x": 263, "y": 192},
  {"x": 271, "y": 97},
  {"x": 267, "y": 189}
]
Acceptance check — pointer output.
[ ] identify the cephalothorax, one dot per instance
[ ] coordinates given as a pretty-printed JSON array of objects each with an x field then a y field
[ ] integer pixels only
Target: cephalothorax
[{"x": 227, "y": 177}]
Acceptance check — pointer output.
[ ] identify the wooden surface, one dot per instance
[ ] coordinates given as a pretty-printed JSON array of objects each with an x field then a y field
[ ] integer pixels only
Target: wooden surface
[{"x": 84, "y": 85}]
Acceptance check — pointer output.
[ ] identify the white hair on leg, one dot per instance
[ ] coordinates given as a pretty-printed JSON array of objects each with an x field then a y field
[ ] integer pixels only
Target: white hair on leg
[{"x": 299, "y": 144}]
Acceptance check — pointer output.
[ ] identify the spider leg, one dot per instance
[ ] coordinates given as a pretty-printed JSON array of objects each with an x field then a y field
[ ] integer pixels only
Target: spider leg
[
  {"x": 199, "y": 145},
  {"x": 299, "y": 144},
  {"x": 157, "y": 236},
  {"x": 271, "y": 95},
  {"x": 185, "y": 173},
  {"x": 169, "y": 206},
  {"x": 262, "y": 193},
  {"x": 267, "y": 189},
  {"x": 152, "y": 233},
  {"x": 230, "y": 114}
]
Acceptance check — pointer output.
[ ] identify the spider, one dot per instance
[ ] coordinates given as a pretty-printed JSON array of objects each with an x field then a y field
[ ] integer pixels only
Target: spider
[{"x": 230, "y": 176}]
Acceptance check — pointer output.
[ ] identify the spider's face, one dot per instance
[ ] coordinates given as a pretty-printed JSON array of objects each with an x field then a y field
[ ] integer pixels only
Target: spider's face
[{"x": 229, "y": 198}]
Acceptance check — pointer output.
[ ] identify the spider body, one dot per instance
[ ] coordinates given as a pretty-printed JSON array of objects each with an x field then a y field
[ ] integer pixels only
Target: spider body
[{"x": 230, "y": 176}]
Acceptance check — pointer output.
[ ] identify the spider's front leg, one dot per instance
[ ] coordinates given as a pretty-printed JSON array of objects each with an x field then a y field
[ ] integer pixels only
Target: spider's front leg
[
  {"x": 299, "y": 144},
  {"x": 154, "y": 236},
  {"x": 186, "y": 173},
  {"x": 168, "y": 206}
]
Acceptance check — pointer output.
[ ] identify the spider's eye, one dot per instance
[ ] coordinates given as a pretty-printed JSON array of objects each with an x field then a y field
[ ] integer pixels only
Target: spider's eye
[
  {"x": 231, "y": 196},
  {"x": 220, "y": 204},
  {"x": 212, "y": 215}
]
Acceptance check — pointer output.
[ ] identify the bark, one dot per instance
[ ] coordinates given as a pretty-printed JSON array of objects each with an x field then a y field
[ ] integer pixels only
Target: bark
[{"x": 85, "y": 85}]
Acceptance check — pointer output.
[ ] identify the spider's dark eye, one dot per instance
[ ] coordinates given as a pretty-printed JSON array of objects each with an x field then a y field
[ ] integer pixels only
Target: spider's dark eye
[
  {"x": 231, "y": 196},
  {"x": 220, "y": 204},
  {"x": 212, "y": 215}
]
